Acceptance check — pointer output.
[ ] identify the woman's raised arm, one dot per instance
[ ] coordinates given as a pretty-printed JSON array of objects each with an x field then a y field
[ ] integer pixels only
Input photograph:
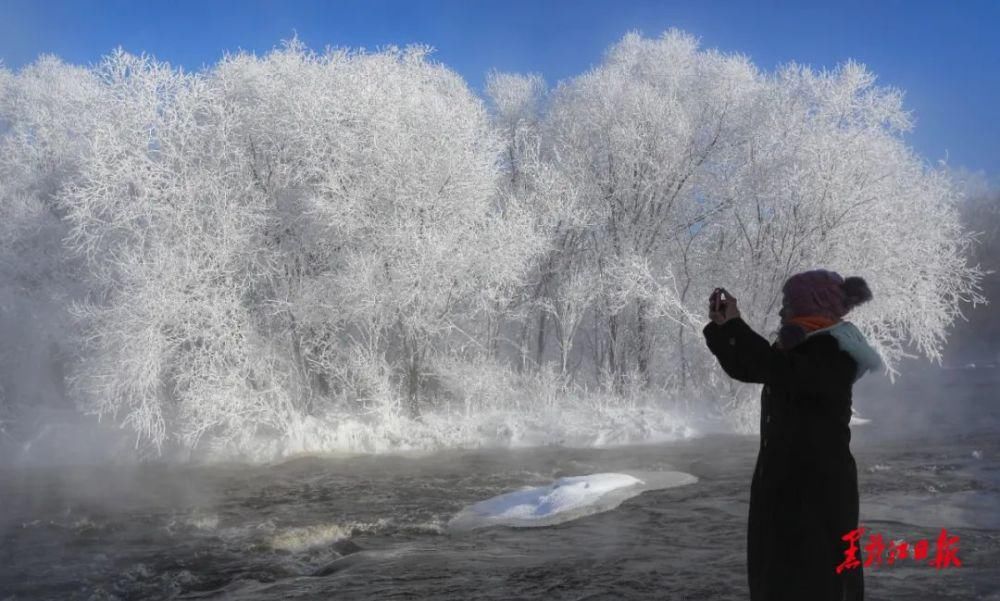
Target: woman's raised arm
[{"x": 746, "y": 356}]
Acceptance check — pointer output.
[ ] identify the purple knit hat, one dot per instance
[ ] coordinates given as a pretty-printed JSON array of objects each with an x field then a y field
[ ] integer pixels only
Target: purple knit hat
[
  {"x": 823, "y": 292},
  {"x": 819, "y": 292}
]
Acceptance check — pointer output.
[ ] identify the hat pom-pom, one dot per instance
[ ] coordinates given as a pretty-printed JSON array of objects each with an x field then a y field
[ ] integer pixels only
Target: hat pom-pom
[{"x": 856, "y": 292}]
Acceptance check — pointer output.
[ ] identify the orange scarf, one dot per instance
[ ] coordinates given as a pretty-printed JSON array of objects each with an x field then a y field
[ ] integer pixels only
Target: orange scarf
[{"x": 811, "y": 323}]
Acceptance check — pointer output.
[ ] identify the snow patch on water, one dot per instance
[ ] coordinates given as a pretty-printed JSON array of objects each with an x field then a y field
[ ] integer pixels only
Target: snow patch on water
[{"x": 564, "y": 500}]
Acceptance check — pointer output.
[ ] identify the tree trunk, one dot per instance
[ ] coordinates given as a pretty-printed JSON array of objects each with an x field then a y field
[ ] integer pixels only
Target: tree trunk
[
  {"x": 304, "y": 392},
  {"x": 614, "y": 364},
  {"x": 413, "y": 386},
  {"x": 684, "y": 367},
  {"x": 522, "y": 344},
  {"x": 412, "y": 375},
  {"x": 493, "y": 331},
  {"x": 596, "y": 339},
  {"x": 642, "y": 327},
  {"x": 540, "y": 342},
  {"x": 564, "y": 346}
]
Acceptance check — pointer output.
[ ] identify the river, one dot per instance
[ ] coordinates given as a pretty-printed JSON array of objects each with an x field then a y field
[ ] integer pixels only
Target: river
[{"x": 375, "y": 527}]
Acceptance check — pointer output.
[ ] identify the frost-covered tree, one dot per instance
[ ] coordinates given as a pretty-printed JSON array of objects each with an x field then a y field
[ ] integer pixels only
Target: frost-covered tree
[
  {"x": 257, "y": 226},
  {"x": 642, "y": 135},
  {"x": 47, "y": 112},
  {"x": 694, "y": 168},
  {"x": 534, "y": 185},
  {"x": 828, "y": 180},
  {"x": 975, "y": 338},
  {"x": 165, "y": 216},
  {"x": 411, "y": 206}
]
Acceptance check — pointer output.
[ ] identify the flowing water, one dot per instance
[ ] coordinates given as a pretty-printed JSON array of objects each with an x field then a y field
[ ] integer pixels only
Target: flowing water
[{"x": 375, "y": 527}]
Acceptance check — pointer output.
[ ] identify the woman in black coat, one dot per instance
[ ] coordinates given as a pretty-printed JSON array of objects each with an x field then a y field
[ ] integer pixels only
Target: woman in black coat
[{"x": 804, "y": 493}]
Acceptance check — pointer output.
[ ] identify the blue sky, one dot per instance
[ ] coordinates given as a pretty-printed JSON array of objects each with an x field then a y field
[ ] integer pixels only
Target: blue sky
[{"x": 944, "y": 55}]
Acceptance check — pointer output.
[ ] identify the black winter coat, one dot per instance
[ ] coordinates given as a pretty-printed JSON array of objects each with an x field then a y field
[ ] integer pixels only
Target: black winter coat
[{"x": 804, "y": 493}]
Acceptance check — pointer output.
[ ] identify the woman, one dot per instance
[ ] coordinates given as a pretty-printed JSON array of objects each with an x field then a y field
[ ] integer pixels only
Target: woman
[{"x": 804, "y": 493}]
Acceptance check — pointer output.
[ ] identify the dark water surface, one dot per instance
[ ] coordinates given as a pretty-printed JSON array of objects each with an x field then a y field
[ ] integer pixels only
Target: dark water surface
[{"x": 374, "y": 527}]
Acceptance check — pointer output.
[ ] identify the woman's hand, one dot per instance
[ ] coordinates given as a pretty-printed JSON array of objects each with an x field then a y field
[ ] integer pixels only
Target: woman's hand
[{"x": 722, "y": 306}]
